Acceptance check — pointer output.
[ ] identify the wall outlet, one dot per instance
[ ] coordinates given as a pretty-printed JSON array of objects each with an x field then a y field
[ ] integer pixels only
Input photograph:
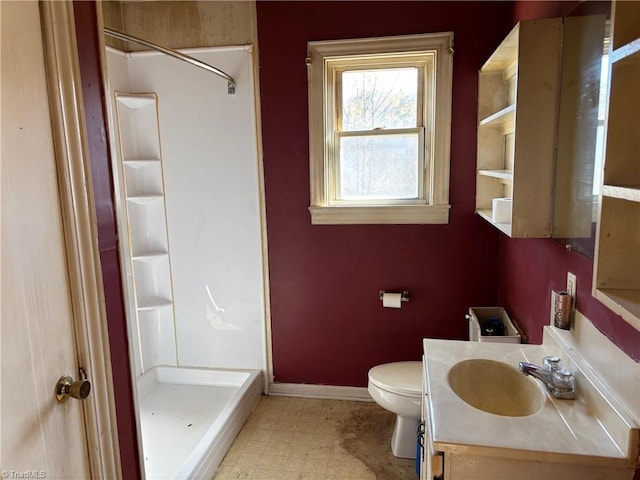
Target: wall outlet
[{"x": 571, "y": 284}]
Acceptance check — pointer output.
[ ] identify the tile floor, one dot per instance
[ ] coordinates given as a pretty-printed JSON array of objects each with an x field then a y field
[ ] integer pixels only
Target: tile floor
[{"x": 308, "y": 439}]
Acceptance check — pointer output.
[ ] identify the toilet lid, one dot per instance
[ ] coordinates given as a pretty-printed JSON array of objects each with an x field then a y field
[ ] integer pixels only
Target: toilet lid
[{"x": 398, "y": 377}]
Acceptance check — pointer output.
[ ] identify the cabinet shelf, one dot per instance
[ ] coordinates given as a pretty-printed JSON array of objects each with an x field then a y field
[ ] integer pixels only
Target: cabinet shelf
[
  {"x": 617, "y": 264},
  {"x": 627, "y": 51},
  {"x": 516, "y": 158},
  {"x": 625, "y": 302},
  {"x": 630, "y": 193},
  {"x": 503, "y": 117},
  {"x": 616, "y": 272},
  {"x": 623, "y": 117},
  {"x": 487, "y": 215}
]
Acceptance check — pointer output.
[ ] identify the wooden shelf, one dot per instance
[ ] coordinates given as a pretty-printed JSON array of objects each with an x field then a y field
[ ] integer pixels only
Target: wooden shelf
[
  {"x": 504, "y": 57},
  {"x": 622, "y": 166},
  {"x": 487, "y": 215},
  {"x": 626, "y": 51},
  {"x": 503, "y": 117},
  {"x": 625, "y": 303},
  {"x": 518, "y": 89},
  {"x": 616, "y": 275},
  {"x": 616, "y": 272},
  {"x": 631, "y": 194}
]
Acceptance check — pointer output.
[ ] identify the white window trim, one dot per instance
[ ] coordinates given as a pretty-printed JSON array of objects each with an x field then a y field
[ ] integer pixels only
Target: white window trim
[{"x": 436, "y": 211}]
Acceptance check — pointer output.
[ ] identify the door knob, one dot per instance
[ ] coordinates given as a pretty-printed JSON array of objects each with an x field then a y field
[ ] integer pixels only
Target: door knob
[{"x": 66, "y": 388}]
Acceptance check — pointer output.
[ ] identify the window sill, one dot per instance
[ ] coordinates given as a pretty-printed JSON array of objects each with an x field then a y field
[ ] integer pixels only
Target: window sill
[{"x": 371, "y": 215}]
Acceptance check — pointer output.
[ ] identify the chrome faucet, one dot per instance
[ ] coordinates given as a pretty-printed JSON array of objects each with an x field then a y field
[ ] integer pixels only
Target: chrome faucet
[{"x": 559, "y": 382}]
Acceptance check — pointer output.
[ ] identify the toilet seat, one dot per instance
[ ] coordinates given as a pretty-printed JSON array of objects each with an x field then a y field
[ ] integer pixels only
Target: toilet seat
[{"x": 403, "y": 378}]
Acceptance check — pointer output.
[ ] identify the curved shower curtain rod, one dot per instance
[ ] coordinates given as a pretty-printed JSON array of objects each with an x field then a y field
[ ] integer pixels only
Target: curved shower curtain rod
[{"x": 231, "y": 83}]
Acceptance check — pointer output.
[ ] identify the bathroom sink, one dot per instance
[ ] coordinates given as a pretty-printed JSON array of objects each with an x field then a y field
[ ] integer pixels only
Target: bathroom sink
[{"x": 496, "y": 387}]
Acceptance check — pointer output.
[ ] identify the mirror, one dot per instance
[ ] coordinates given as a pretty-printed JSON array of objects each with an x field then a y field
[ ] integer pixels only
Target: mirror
[{"x": 580, "y": 143}]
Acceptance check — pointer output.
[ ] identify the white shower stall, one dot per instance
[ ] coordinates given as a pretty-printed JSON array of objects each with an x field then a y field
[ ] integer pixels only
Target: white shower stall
[{"x": 188, "y": 193}]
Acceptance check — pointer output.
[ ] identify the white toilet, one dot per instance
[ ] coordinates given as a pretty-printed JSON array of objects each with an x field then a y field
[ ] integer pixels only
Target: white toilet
[{"x": 397, "y": 387}]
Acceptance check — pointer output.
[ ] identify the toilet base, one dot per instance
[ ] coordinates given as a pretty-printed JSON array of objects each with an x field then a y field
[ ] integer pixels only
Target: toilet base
[{"x": 403, "y": 441}]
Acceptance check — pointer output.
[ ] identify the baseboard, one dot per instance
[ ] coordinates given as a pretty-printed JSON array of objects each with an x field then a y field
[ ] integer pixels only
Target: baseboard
[{"x": 330, "y": 392}]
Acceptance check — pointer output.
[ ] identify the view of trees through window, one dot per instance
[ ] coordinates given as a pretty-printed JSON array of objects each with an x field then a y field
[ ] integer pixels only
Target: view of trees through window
[{"x": 376, "y": 160}]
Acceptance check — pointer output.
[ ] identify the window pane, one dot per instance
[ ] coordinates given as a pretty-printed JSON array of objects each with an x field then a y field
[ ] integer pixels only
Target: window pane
[
  {"x": 379, "y": 167},
  {"x": 384, "y": 98}
]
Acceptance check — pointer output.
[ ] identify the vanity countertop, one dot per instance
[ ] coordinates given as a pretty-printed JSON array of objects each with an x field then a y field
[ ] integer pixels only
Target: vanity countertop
[{"x": 574, "y": 431}]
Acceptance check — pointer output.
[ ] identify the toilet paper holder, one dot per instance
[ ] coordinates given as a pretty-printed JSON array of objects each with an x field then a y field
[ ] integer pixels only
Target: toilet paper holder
[{"x": 404, "y": 297}]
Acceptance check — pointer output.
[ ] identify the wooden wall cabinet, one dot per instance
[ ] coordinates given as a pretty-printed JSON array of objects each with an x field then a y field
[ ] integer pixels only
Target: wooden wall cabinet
[
  {"x": 518, "y": 100},
  {"x": 616, "y": 281}
]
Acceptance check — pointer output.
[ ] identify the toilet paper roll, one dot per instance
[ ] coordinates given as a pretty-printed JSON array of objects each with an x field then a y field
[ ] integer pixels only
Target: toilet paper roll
[{"x": 392, "y": 300}]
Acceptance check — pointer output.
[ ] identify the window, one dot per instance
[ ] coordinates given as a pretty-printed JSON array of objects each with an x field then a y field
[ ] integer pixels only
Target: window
[{"x": 379, "y": 129}]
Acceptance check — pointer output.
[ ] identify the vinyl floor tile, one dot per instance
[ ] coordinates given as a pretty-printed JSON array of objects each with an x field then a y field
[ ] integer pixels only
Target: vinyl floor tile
[{"x": 289, "y": 438}]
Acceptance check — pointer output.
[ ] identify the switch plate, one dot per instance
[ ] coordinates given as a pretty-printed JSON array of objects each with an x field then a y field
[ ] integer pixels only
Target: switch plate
[{"x": 571, "y": 284}]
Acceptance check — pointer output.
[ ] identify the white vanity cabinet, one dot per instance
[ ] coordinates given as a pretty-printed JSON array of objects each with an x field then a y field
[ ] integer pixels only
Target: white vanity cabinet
[
  {"x": 616, "y": 281},
  {"x": 518, "y": 101},
  {"x": 431, "y": 466},
  {"x": 583, "y": 439}
]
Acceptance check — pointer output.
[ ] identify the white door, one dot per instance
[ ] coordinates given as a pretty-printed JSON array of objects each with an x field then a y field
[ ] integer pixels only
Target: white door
[{"x": 41, "y": 438}]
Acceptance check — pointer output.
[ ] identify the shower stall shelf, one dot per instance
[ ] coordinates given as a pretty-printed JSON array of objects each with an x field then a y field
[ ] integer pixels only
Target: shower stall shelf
[{"x": 140, "y": 153}]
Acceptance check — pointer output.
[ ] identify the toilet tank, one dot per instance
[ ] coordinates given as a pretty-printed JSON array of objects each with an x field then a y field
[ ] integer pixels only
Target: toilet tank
[{"x": 482, "y": 318}]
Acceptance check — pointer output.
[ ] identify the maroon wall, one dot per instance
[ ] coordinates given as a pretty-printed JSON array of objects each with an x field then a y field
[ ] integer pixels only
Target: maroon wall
[
  {"x": 328, "y": 325},
  {"x": 92, "y": 91},
  {"x": 530, "y": 269}
]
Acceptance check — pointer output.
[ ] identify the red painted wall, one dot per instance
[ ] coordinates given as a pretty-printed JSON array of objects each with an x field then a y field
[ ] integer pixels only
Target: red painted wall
[
  {"x": 328, "y": 325},
  {"x": 530, "y": 269}
]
